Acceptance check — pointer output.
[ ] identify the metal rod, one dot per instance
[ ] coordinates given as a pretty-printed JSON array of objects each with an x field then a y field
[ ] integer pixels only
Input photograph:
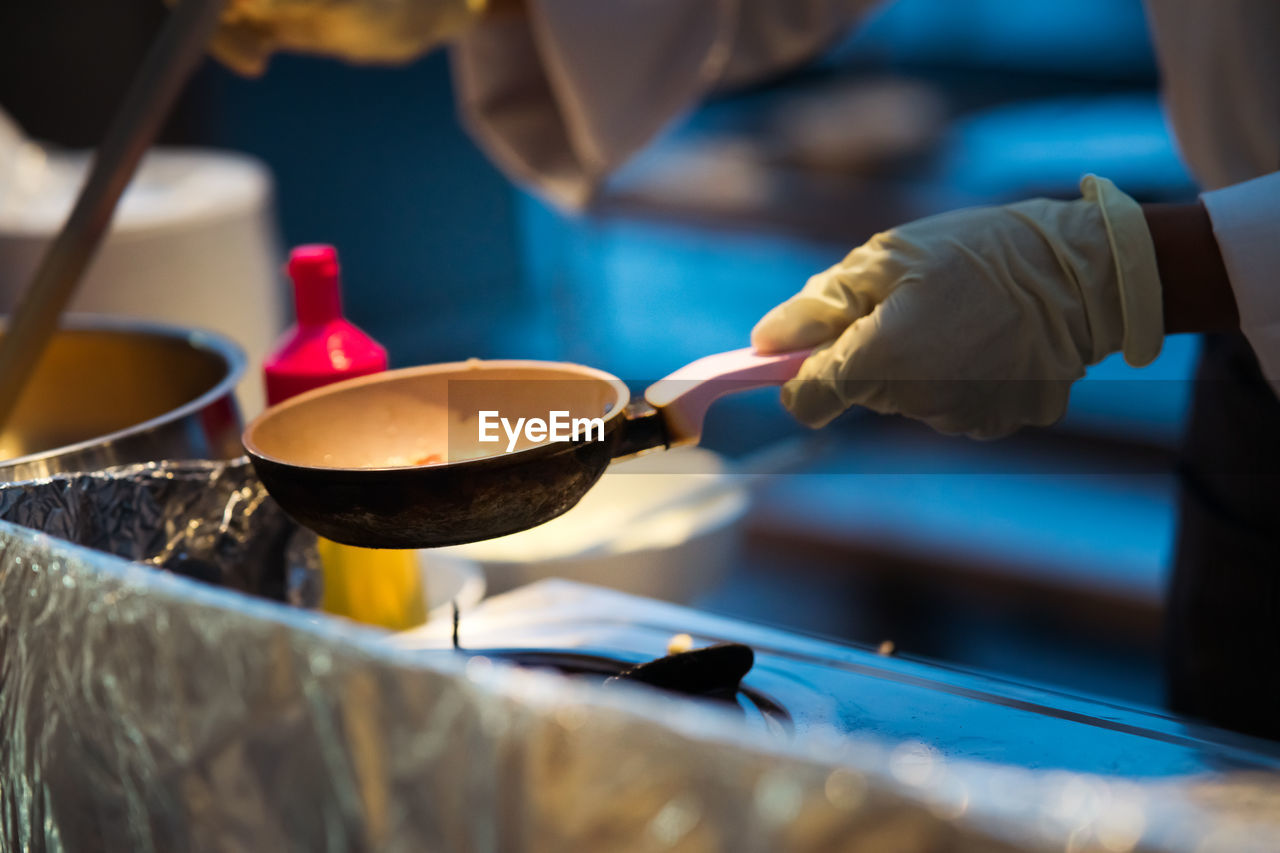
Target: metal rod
[
  {"x": 456, "y": 615},
  {"x": 164, "y": 72}
]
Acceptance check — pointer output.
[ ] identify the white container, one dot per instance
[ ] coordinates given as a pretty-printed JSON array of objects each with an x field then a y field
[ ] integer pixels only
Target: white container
[
  {"x": 193, "y": 242},
  {"x": 666, "y": 525}
]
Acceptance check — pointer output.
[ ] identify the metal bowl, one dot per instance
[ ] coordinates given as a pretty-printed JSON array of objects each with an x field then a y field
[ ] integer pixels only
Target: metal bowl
[{"x": 115, "y": 391}]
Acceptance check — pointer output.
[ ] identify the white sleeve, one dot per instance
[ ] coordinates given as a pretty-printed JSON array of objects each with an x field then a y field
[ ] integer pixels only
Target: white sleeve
[
  {"x": 1246, "y": 223},
  {"x": 563, "y": 95}
]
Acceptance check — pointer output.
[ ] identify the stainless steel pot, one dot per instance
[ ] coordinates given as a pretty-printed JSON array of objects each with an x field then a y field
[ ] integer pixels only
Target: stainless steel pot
[{"x": 115, "y": 391}]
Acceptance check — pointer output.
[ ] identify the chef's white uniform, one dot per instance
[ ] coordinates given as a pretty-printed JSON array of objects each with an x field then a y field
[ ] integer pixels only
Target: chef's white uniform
[{"x": 563, "y": 96}]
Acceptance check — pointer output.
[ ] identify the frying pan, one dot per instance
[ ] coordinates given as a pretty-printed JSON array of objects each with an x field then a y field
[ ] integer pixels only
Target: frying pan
[{"x": 395, "y": 459}]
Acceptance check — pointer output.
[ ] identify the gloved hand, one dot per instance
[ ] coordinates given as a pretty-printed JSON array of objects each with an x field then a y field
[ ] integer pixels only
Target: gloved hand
[
  {"x": 355, "y": 30},
  {"x": 976, "y": 321}
]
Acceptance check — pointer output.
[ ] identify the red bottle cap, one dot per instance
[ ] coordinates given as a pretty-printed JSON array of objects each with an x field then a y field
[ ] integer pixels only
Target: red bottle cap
[
  {"x": 323, "y": 347},
  {"x": 317, "y": 290}
]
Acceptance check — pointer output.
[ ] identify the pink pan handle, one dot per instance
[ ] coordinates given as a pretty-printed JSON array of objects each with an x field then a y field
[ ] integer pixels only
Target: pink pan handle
[{"x": 684, "y": 397}]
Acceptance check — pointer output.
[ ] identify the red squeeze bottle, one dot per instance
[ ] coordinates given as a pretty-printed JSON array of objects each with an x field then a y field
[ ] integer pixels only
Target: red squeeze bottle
[
  {"x": 323, "y": 347},
  {"x": 377, "y": 587}
]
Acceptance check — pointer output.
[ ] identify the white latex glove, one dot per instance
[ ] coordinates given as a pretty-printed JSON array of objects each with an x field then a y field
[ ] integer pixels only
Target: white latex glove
[
  {"x": 354, "y": 30},
  {"x": 976, "y": 321}
]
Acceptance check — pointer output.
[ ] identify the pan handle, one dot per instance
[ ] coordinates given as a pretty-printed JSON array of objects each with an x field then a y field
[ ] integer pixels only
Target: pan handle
[{"x": 683, "y": 398}]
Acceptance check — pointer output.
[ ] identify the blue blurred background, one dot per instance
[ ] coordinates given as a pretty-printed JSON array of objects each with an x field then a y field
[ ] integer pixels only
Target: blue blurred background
[{"x": 1042, "y": 557}]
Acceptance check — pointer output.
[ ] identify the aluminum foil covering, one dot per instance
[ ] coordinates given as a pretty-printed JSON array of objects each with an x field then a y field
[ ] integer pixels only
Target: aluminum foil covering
[
  {"x": 212, "y": 521},
  {"x": 145, "y": 711}
]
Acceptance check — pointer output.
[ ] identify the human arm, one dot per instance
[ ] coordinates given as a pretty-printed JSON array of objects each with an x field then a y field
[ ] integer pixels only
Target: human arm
[
  {"x": 563, "y": 95},
  {"x": 559, "y": 93},
  {"x": 1196, "y": 291},
  {"x": 979, "y": 321},
  {"x": 976, "y": 321},
  {"x": 1246, "y": 226}
]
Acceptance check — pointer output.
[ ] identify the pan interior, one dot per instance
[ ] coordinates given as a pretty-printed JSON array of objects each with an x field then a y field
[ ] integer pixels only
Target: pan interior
[
  {"x": 92, "y": 383},
  {"x": 428, "y": 415}
]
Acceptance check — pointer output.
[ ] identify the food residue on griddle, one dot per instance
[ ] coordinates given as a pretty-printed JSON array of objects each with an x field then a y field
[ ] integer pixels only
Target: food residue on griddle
[{"x": 679, "y": 643}]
